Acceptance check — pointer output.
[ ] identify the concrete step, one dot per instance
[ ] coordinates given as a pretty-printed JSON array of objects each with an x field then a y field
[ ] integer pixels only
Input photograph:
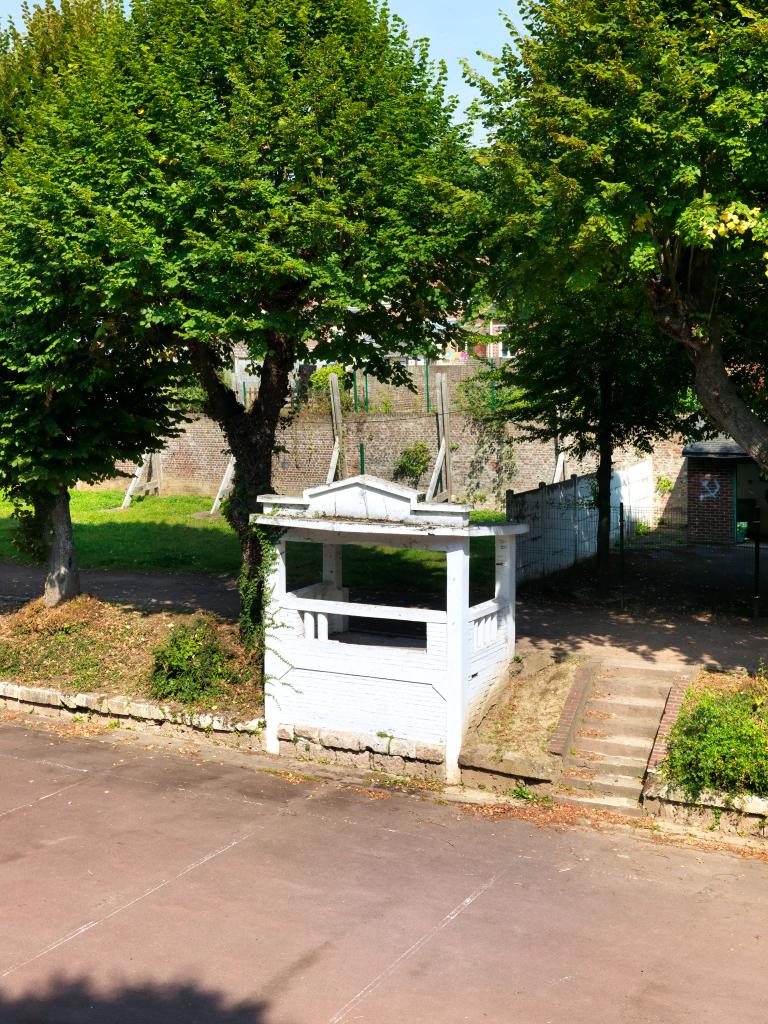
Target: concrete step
[
  {"x": 613, "y": 725},
  {"x": 611, "y": 764},
  {"x": 610, "y": 744},
  {"x": 612, "y": 785},
  {"x": 642, "y": 673},
  {"x": 630, "y": 687},
  {"x": 617, "y": 804},
  {"x": 627, "y": 707}
]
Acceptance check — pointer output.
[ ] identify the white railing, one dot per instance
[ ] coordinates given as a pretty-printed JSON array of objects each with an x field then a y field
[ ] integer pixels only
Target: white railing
[
  {"x": 316, "y": 613},
  {"x": 484, "y": 622}
]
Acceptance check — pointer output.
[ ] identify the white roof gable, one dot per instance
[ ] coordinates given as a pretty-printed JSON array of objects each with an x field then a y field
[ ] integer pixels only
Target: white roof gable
[{"x": 366, "y": 498}]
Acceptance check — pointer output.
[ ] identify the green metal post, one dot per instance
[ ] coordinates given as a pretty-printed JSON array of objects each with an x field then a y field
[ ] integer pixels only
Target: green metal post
[
  {"x": 298, "y": 395},
  {"x": 426, "y": 384},
  {"x": 362, "y": 458},
  {"x": 245, "y": 396},
  {"x": 366, "y": 393},
  {"x": 357, "y": 402}
]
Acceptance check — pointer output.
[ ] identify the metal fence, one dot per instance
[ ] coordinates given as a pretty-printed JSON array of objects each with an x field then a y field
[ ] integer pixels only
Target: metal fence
[
  {"x": 655, "y": 560},
  {"x": 562, "y": 519}
]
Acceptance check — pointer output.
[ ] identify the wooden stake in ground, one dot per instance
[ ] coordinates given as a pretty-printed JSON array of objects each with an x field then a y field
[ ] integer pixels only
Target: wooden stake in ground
[
  {"x": 135, "y": 481},
  {"x": 443, "y": 471},
  {"x": 337, "y": 467},
  {"x": 225, "y": 486}
]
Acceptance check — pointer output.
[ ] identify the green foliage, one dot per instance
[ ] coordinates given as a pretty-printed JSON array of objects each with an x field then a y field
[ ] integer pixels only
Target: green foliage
[
  {"x": 191, "y": 666},
  {"x": 720, "y": 742},
  {"x": 282, "y": 175},
  {"x": 664, "y": 485},
  {"x": 628, "y": 151},
  {"x": 413, "y": 463},
  {"x": 29, "y": 525},
  {"x": 320, "y": 380},
  {"x": 255, "y": 593},
  {"x": 287, "y": 177},
  {"x": 78, "y": 392},
  {"x": 189, "y": 397}
]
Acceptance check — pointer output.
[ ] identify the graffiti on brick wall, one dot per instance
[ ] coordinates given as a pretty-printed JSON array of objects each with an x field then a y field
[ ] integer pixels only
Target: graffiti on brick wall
[{"x": 710, "y": 489}]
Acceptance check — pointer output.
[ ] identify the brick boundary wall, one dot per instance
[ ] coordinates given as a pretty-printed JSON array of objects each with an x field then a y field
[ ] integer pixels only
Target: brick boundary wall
[
  {"x": 668, "y": 719},
  {"x": 572, "y": 711},
  {"x": 485, "y": 463}
]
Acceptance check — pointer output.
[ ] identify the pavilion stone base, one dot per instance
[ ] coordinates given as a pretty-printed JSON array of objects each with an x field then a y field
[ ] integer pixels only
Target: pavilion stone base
[{"x": 369, "y": 753}]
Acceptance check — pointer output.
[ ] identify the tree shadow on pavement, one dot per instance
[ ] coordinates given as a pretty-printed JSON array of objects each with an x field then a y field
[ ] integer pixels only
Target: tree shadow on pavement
[{"x": 77, "y": 1001}]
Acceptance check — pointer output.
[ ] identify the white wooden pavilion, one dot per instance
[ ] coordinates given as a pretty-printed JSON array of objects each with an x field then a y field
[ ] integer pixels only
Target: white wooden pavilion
[{"x": 329, "y": 663}]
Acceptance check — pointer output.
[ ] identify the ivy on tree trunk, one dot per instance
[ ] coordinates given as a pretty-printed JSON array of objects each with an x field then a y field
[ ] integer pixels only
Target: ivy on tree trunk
[{"x": 251, "y": 434}]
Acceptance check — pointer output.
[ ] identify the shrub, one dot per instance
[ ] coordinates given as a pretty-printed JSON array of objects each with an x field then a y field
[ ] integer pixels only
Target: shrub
[
  {"x": 720, "y": 742},
  {"x": 191, "y": 665},
  {"x": 413, "y": 463},
  {"x": 320, "y": 381}
]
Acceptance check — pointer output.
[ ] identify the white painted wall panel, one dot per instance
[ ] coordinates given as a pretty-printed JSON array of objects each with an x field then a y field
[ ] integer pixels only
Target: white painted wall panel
[{"x": 352, "y": 703}]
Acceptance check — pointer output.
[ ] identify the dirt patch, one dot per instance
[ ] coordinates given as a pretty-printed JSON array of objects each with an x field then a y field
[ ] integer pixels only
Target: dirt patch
[
  {"x": 525, "y": 721},
  {"x": 88, "y": 645}
]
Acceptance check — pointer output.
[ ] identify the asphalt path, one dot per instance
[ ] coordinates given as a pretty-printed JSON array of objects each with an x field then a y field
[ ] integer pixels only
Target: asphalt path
[{"x": 142, "y": 886}]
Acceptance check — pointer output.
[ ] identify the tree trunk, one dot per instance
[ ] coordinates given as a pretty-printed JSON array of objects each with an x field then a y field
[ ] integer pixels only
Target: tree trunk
[
  {"x": 251, "y": 434},
  {"x": 715, "y": 388},
  {"x": 604, "y": 474},
  {"x": 725, "y": 406},
  {"x": 63, "y": 580}
]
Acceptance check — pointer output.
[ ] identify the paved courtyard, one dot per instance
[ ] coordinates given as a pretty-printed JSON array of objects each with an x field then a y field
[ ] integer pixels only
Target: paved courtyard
[{"x": 138, "y": 885}]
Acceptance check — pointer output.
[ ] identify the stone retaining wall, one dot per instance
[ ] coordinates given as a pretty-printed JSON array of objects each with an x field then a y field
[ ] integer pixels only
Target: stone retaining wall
[
  {"x": 746, "y": 815},
  {"x": 355, "y": 750},
  {"x": 126, "y": 711}
]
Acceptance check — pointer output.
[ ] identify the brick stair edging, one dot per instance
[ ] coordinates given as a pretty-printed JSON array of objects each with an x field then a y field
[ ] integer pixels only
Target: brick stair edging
[
  {"x": 124, "y": 708},
  {"x": 671, "y": 711},
  {"x": 573, "y": 709}
]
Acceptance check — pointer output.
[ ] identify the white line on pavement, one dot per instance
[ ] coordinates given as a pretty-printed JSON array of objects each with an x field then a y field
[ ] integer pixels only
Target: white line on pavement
[
  {"x": 137, "y": 899},
  {"x": 344, "y": 1012}
]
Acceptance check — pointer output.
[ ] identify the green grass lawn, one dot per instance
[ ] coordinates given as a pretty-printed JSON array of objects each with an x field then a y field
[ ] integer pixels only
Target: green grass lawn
[
  {"x": 163, "y": 535},
  {"x": 154, "y": 535}
]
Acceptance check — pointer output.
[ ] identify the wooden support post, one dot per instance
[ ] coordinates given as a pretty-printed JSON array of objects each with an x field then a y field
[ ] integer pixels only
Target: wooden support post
[
  {"x": 506, "y": 559},
  {"x": 134, "y": 484},
  {"x": 332, "y": 565},
  {"x": 224, "y": 486},
  {"x": 333, "y": 577},
  {"x": 457, "y": 661},
  {"x": 274, "y": 667},
  {"x": 445, "y": 431},
  {"x": 338, "y": 467},
  {"x": 436, "y": 472}
]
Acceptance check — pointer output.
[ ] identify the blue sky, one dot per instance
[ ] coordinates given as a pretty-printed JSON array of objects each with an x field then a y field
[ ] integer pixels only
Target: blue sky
[{"x": 457, "y": 29}]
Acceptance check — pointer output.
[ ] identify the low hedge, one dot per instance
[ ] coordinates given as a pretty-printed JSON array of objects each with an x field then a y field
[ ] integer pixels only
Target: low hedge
[{"x": 720, "y": 741}]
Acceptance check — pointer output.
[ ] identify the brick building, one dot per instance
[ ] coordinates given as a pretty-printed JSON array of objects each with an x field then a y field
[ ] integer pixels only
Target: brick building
[{"x": 727, "y": 495}]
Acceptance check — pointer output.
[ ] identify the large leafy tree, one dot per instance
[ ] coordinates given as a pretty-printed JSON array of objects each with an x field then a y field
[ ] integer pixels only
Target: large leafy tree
[
  {"x": 628, "y": 137},
  {"x": 79, "y": 388},
  {"x": 593, "y": 375},
  {"x": 275, "y": 174}
]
